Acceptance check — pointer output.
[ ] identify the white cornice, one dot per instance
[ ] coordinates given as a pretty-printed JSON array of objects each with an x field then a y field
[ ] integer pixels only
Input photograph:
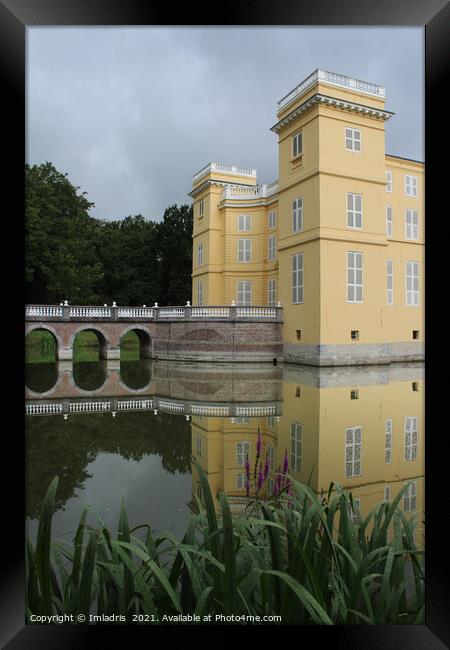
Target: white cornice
[{"x": 326, "y": 100}]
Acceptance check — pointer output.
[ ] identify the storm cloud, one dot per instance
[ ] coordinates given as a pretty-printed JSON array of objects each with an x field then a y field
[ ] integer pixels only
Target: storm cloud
[{"x": 132, "y": 113}]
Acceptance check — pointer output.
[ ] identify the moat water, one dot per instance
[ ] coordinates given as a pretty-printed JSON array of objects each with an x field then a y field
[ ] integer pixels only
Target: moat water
[{"x": 113, "y": 431}]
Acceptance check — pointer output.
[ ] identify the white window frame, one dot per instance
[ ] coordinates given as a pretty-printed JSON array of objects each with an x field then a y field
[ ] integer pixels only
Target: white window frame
[
  {"x": 272, "y": 219},
  {"x": 412, "y": 283},
  {"x": 353, "y": 465},
  {"x": 387, "y": 493},
  {"x": 272, "y": 292},
  {"x": 271, "y": 248},
  {"x": 271, "y": 457},
  {"x": 389, "y": 222},
  {"x": 411, "y": 445},
  {"x": 297, "y": 144},
  {"x": 244, "y": 222},
  {"x": 200, "y": 293},
  {"x": 411, "y": 224},
  {"x": 389, "y": 182},
  {"x": 298, "y": 279},
  {"x": 199, "y": 446},
  {"x": 240, "y": 481},
  {"x": 200, "y": 254},
  {"x": 242, "y": 450},
  {"x": 354, "y": 214},
  {"x": 388, "y": 441},
  {"x": 389, "y": 282},
  {"x": 297, "y": 214},
  {"x": 411, "y": 186},
  {"x": 244, "y": 293},
  {"x": 353, "y": 266},
  {"x": 201, "y": 208},
  {"x": 244, "y": 251},
  {"x": 410, "y": 497},
  {"x": 296, "y": 446},
  {"x": 351, "y": 140}
]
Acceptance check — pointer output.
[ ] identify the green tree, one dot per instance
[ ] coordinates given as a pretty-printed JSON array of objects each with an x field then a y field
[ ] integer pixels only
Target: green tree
[
  {"x": 61, "y": 258},
  {"x": 175, "y": 252}
]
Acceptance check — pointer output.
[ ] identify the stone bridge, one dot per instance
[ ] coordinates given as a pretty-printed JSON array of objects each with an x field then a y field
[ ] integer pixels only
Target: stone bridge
[{"x": 186, "y": 333}]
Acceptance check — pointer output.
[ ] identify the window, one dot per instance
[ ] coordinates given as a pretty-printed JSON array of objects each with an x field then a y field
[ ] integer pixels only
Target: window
[
  {"x": 296, "y": 446},
  {"x": 353, "y": 448},
  {"x": 272, "y": 219},
  {"x": 271, "y": 248},
  {"x": 388, "y": 441},
  {"x": 411, "y": 437},
  {"x": 354, "y": 210},
  {"x": 240, "y": 481},
  {"x": 354, "y": 276},
  {"x": 297, "y": 391},
  {"x": 389, "y": 182},
  {"x": 200, "y": 293},
  {"x": 415, "y": 386},
  {"x": 244, "y": 292},
  {"x": 200, "y": 254},
  {"x": 412, "y": 283},
  {"x": 297, "y": 145},
  {"x": 199, "y": 446},
  {"x": 242, "y": 451},
  {"x": 271, "y": 422},
  {"x": 297, "y": 215},
  {"x": 298, "y": 334},
  {"x": 244, "y": 250},
  {"x": 387, "y": 493},
  {"x": 354, "y": 393},
  {"x": 354, "y": 335},
  {"x": 416, "y": 335},
  {"x": 353, "y": 139},
  {"x": 389, "y": 221},
  {"x": 201, "y": 208},
  {"x": 244, "y": 222},
  {"x": 241, "y": 420},
  {"x": 411, "y": 186},
  {"x": 297, "y": 278},
  {"x": 409, "y": 497},
  {"x": 412, "y": 224},
  {"x": 272, "y": 292},
  {"x": 390, "y": 282}
]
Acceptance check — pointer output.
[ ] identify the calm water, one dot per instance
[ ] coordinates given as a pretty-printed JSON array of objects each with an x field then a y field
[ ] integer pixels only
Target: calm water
[{"x": 113, "y": 431}]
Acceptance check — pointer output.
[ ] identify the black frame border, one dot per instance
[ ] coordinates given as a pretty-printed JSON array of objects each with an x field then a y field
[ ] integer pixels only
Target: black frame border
[{"x": 434, "y": 16}]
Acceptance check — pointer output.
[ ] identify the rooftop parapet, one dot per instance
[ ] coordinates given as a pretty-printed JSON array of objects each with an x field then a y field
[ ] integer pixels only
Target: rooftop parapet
[{"x": 225, "y": 168}]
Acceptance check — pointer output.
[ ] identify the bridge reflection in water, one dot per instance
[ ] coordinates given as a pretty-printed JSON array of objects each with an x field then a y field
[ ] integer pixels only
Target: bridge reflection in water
[{"x": 361, "y": 427}]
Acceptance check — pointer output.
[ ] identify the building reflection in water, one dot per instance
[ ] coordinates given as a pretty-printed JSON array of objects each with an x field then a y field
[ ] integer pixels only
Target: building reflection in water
[{"x": 362, "y": 427}]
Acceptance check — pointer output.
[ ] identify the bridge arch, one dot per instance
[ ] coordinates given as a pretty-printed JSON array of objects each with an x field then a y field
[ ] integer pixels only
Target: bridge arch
[
  {"x": 102, "y": 338},
  {"x": 145, "y": 340},
  {"x": 51, "y": 330}
]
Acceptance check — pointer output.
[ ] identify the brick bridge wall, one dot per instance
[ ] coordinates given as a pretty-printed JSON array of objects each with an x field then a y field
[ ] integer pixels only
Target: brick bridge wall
[{"x": 224, "y": 341}]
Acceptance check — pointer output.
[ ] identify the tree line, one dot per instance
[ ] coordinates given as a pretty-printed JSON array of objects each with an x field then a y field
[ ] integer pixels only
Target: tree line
[{"x": 72, "y": 256}]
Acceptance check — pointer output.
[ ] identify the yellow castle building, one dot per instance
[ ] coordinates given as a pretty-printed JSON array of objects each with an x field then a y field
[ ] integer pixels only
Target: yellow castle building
[{"x": 337, "y": 240}]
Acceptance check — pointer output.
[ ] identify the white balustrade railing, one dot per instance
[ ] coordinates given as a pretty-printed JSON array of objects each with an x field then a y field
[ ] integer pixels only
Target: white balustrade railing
[
  {"x": 43, "y": 409},
  {"x": 335, "y": 79},
  {"x": 176, "y": 407},
  {"x": 134, "y": 404},
  {"x": 210, "y": 312},
  {"x": 43, "y": 310},
  {"x": 256, "y": 312},
  {"x": 227, "y": 169},
  {"x": 255, "y": 411},
  {"x": 171, "y": 312},
  {"x": 90, "y": 312},
  {"x": 213, "y": 411},
  {"x": 89, "y": 407},
  {"x": 249, "y": 193},
  {"x": 135, "y": 312}
]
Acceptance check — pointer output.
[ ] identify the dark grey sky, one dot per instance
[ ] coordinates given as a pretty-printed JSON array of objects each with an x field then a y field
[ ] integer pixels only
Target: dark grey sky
[{"x": 132, "y": 113}]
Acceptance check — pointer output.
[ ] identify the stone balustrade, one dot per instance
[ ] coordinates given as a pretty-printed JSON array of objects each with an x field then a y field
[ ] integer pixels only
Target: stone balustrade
[{"x": 187, "y": 312}]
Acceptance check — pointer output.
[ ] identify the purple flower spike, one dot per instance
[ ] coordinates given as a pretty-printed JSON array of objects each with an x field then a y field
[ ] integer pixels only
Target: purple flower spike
[
  {"x": 247, "y": 468},
  {"x": 266, "y": 468},
  {"x": 260, "y": 477},
  {"x": 247, "y": 487},
  {"x": 285, "y": 463},
  {"x": 258, "y": 443}
]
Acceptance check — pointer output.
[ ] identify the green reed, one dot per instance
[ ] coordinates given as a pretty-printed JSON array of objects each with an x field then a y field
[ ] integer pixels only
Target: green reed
[{"x": 308, "y": 559}]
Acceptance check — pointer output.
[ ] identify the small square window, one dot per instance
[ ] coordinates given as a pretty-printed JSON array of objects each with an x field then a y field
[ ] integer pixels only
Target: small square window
[
  {"x": 415, "y": 334},
  {"x": 355, "y": 335},
  {"x": 298, "y": 334},
  {"x": 354, "y": 393}
]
